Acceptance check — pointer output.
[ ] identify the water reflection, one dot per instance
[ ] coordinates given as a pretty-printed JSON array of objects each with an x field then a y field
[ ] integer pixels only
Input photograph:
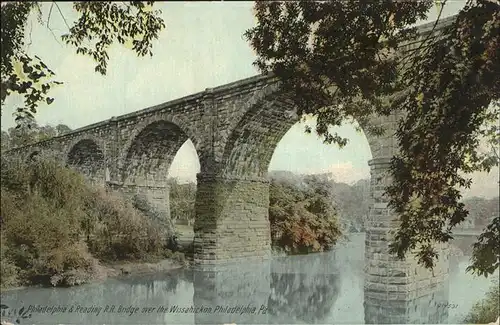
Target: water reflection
[
  {"x": 429, "y": 308},
  {"x": 232, "y": 294},
  {"x": 117, "y": 301},
  {"x": 301, "y": 289}
]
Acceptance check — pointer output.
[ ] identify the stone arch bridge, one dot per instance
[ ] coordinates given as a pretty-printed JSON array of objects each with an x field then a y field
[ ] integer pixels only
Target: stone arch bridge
[{"x": 234, "y": 129}]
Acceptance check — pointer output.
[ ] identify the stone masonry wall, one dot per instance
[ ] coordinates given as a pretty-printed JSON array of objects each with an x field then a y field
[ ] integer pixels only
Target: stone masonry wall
[
  {"x": 385, "y": 276},
  {"x": 232, "y": 219},
  {"x": 464, "y": 243}
]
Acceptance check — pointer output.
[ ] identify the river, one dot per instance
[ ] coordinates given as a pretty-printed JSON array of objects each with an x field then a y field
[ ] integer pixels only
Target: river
[{"x": 323, "y": 288}]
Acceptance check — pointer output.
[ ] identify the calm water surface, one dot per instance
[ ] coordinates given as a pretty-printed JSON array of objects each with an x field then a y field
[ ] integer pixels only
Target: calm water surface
[{"x": 324, "y": 288}]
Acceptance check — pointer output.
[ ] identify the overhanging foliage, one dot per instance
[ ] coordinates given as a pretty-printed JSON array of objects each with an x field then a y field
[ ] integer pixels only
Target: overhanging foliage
[{"x": 342, "y": 62}]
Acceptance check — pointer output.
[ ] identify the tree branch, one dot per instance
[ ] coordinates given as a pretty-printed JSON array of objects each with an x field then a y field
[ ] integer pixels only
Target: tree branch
[
  {"x": 48, "y": 24},
  {"x": 50, "y": 13},
  {"x": 62, "y": 16},
  {"x": 433, "y": 28},
  {"x": 31, "y": 30},
  {"x": 405, "y": 58}
]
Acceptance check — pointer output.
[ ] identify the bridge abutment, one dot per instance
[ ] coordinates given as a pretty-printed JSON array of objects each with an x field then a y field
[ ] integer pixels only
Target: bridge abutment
[
  {"x": 232, "y": 219},
  {"x": 388, "y": 279}
]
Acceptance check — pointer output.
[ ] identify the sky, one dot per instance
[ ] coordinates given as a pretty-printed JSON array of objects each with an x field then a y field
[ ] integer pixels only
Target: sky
[{"x": 202, "y": 47}]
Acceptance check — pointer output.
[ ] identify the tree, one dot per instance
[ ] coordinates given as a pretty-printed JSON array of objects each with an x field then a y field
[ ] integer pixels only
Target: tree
[
  {"x": 182, "y": 200},
  {"x": 340, "y": 61},
  {"x": 30, "y": 133},
  {"x": 303, "y": 217},
  {"x": 352, "y": 202},
  {"x": 487, "y": 310},
  {"x": 482, "y": 210},
  {"x": 98, "y": 26},
  {"x": 62, "y": 129}
]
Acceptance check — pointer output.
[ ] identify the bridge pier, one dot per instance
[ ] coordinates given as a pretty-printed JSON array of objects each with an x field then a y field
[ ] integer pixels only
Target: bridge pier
[
  {"x": 387, "y": 279},
  {"x": 232, "y": 219}
]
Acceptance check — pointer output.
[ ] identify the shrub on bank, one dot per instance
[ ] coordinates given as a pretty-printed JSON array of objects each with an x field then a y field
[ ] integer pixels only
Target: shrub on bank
[
  {"x": 41, "y": 213},
  {"x": 487, "y": 310},
  {"x": 120, "y": 232},
  {"x": 54, "y": 224},
  {"x": 178, "y": 257},
  {"x": 303, "y": 219},
  {"x": 8, "y": 270},
  {"x": 43, "y": 240}
]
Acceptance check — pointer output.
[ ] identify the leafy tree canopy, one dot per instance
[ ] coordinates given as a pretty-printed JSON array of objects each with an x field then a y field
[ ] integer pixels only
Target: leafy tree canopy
[
  {"x": 303, "y": 217},
  {"x": 99, "y": 24},
  {"x": 22, "y": 136},
  {"x": 482, "y": 210},
  {"x": 343, "y": 61}
]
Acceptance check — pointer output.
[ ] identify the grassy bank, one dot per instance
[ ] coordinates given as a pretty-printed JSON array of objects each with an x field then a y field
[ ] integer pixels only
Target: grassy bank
[{"x": 57, "y": 230}]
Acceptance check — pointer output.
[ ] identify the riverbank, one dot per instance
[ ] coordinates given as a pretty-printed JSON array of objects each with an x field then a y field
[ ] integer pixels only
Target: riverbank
[
  {"x": 120, "y": 269},
  {"x": 117, "y": 269}
]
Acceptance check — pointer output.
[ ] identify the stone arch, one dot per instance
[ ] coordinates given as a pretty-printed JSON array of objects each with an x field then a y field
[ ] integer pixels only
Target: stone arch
[
  {"x": 384, "y": 145},
  {"x": 252, "y": 143},
  {"x": 147, "y": 155},
  {"x": 146, "y": 162},
  {"x": 86, "y": 156},
  {"x": 146, "y": 123}
]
